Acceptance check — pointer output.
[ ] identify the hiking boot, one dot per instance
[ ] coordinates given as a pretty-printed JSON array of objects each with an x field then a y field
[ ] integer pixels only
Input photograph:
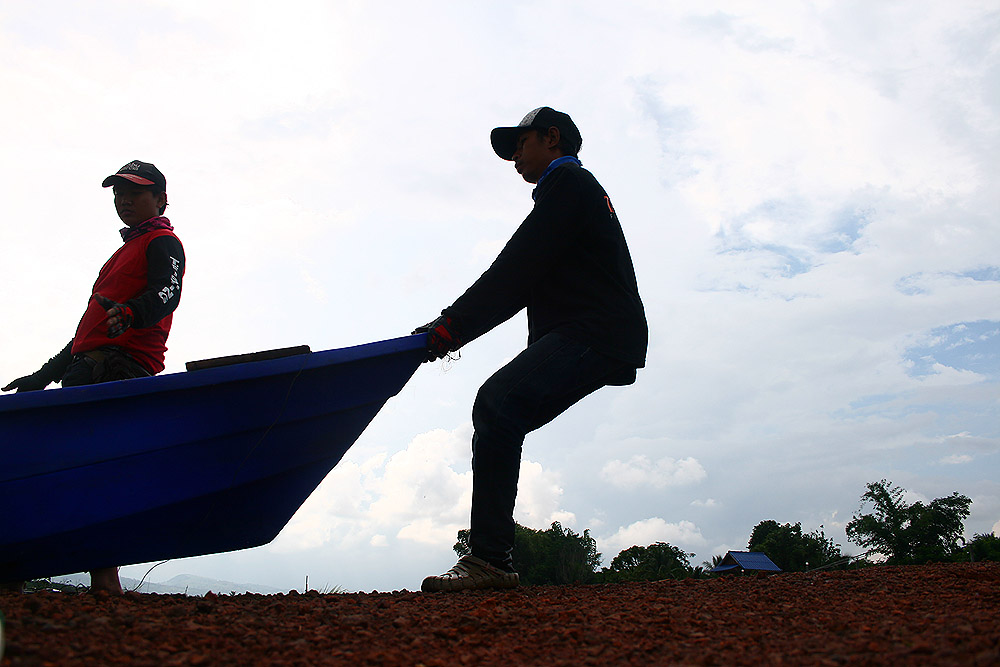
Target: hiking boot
[{"x": 470, "y": 573}]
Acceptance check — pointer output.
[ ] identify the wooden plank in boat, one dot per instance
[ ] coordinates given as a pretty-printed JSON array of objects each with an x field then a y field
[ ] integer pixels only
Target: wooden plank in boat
[{"x": 246, "y": 358}]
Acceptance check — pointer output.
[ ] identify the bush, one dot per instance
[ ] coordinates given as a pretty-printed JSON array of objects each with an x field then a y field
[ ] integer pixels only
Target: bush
[
  {"x": 653, "y": 563},
  {"x": 553, "y": 556}
]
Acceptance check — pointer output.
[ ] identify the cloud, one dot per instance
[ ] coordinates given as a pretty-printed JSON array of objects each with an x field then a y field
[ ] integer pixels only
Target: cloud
[
  {"x": 639, "y": 471},
  {"x": 430, "y": 531},
  {"x": 420, "y": 494},
  {"x": 683, "y": 534},
  {"x": 538, "y": 496},
  {"x": 430, "y": 477},
  {"x": 941, "y": 375},
  {"x": 967, "y": 440}
]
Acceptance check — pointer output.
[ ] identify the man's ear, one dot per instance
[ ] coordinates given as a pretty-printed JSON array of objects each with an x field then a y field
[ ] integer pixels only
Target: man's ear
[{"x": 552, "y": 137}]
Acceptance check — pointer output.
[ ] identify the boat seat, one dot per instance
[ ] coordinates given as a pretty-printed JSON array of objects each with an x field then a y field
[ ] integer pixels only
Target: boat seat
[{"x": 246, "y": 358}]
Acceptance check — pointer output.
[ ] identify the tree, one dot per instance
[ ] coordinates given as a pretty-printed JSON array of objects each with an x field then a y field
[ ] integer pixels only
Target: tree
[
  {"x": 716, "y": 560},
  {"x": 553, "y": 556},
  {"x": 909, "y": 534},
  {"x": 653, "y": 563},
  {"x": 981, "y": 547},
  {"x": 790, "y": 549}
]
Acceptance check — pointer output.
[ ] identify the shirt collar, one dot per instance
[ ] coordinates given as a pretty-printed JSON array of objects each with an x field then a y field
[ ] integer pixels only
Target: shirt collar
[
  {"x": 158, "y": 222},
  {"x": 552, "y": 165}
]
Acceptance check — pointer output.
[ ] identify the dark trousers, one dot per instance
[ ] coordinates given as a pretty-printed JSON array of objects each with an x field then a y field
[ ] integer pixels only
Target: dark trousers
[
  {"x": 538, "y": 385},
  {"x": 105, "y": 364}
]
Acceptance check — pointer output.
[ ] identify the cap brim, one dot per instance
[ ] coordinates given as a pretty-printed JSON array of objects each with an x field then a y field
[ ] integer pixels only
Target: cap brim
[
  {"x": 504, "y": 140},
  {"x": 138, "y": 180}
]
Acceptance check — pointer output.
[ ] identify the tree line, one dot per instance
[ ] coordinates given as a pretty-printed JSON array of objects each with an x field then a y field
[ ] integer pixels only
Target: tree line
[{"x": 891, "y": 530}]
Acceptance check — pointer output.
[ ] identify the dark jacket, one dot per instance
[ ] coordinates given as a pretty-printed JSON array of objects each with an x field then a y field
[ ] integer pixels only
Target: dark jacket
[{"x": 569, "y": 265}]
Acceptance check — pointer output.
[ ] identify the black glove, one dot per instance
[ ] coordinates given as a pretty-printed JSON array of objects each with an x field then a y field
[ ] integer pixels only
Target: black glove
[
  {"x": 119, "y": 316},
  {"x": 442, "y": 337},
  {"x": 51, "y": 371},
  {"x": 32, "y": 382}
]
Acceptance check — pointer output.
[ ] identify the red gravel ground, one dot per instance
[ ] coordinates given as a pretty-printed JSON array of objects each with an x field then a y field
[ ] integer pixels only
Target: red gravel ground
[{"x": 947, "y": 614}]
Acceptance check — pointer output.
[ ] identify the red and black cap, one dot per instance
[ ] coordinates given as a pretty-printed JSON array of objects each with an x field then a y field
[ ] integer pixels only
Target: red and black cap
[
  {"x": 504, "y": 139},
  {"x": 140, "y": 173}
]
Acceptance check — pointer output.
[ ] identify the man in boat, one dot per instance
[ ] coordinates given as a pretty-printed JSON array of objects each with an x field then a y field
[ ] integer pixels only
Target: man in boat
[
  {"x": 569, "y": 265},
  {"x": 123, "y": 332}
]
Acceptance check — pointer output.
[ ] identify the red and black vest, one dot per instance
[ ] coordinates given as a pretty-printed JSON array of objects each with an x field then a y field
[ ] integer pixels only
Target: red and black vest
[{"x": 123, "y": 277}]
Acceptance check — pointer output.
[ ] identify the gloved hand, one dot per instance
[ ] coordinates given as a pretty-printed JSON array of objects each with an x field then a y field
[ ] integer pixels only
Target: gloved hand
[
  {"x": 51, "y": 371},
  {"x": 119, "y": 316},
  {"x": 33, "y": 382},
  {"x": 442, "y": 337}
]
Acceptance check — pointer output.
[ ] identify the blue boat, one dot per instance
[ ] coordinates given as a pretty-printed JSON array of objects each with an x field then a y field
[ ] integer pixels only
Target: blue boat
[{"x": 215, "y": 459}]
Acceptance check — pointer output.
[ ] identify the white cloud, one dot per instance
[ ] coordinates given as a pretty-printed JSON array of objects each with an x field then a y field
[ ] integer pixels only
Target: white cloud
[
  {"x": 947, "y": 376},
  {"x": 640, "y": 471},
  {"x": 431, "y": 477},
  {"x": 421, "y": 494},
  {"x": 538, "y": 497},
  {"x": 683, "y": 534},
  {"x": 911, "y": 496},
  {"x": 431, "y": 531}
]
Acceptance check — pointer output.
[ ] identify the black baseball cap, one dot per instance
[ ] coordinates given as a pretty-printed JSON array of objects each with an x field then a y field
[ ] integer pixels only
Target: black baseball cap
[
  {"x": 140, "y": 173},
  {"x": 504, "y": 139}
]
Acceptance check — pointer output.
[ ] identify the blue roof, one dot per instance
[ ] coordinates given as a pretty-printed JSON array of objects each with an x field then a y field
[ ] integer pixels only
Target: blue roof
[
  {"x": 723, "y": 568},
  {"x": 746, "y": 560}
]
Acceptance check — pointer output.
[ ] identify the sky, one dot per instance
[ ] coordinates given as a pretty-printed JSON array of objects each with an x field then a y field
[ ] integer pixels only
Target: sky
[{"x": 808, "y": 190}]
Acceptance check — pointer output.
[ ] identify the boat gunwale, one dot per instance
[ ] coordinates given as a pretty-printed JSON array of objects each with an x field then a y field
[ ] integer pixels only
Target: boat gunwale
[{"x": 219, "y": 375}]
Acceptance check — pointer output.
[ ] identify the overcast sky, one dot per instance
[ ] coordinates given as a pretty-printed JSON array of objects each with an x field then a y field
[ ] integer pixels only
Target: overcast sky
[{"x": 809, "y": 191}]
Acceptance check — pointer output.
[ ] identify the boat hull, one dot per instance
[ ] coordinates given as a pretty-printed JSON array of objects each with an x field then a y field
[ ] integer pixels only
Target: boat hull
[{"x": 183, "y": 464}]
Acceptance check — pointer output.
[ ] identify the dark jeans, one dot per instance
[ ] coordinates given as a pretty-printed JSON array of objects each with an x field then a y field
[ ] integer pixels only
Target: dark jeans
[
  {"x": 533, "y": 389},
  {"x": 105, "y": 364}
]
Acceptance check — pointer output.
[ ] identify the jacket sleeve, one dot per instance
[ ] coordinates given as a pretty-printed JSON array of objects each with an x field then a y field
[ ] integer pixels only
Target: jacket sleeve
[
  {"x": 53, "y": 369},
  {"x": 164, "y": 271},
  {"x": 544, "y": 236}
]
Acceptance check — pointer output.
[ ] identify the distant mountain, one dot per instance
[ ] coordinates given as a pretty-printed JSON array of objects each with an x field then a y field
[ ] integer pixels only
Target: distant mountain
[
  {"x": 183, "y": 584},
  {"x": 192, "y": 585}
]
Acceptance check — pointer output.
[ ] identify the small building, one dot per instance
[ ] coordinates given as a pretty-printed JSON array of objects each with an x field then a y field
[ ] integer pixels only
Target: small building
[{"x": 745, "y": 561}]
